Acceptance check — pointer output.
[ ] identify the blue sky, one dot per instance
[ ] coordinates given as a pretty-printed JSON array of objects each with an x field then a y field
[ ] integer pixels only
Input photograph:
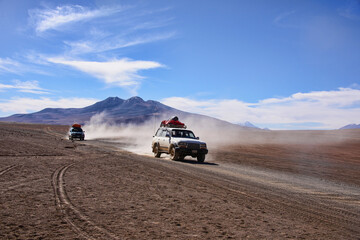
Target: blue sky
[{"x": 278, "y": 64}]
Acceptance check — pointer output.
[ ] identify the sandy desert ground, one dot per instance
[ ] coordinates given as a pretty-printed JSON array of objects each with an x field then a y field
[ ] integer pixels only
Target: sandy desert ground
[{"x": 53, "y": 188}]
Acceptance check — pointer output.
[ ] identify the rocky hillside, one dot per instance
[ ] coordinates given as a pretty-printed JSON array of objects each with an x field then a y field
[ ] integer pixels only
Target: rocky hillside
[{"x": 133, "y": 110}]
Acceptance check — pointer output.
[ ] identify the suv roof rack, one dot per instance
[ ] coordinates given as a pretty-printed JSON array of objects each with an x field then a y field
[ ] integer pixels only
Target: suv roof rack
[{"x": 173, "y": 126}]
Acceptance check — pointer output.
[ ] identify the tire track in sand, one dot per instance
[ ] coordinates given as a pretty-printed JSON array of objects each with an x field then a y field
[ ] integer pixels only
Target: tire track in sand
[
  {"x": 78, "y": 221},
  {"x": 308, "y": 207},
  {"x": 49, "y": 131},
  {"x": 6, "y": 169}
]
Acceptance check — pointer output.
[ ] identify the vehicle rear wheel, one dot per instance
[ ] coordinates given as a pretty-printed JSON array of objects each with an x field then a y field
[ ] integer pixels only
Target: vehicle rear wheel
[
  {"x": 156, "y": 151},
  {"x": 173, "y": 154},
  {"x": 201, "y": 158}
]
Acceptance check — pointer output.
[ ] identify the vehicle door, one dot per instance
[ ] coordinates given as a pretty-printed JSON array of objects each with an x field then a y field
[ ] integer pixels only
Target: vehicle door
[
  {"x": 164, "y": 140},
  {"x": 156, "y": 137},
  {"x": 160, "y": 139}
]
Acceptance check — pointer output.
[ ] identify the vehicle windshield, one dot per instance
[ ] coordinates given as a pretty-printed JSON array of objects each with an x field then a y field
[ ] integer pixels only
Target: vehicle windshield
[
  {"x": 182, "y": 134},
  {"x": 76, "y": 129}
]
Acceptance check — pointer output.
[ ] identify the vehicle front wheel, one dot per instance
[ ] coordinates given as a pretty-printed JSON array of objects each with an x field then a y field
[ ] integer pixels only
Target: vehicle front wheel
[
  {"x": 201, "y": 158},
  {"x": 173, "y": 154},
  {"x": 156, "y": 151}
]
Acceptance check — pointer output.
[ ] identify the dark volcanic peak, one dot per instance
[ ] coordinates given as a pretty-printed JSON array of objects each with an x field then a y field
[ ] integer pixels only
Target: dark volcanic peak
[
  {"x": 108, "y": 103},
  {"x": 113, "y": 100},
  {"x": 114, "y": 103},
  {"x": 135, "y": 99}
]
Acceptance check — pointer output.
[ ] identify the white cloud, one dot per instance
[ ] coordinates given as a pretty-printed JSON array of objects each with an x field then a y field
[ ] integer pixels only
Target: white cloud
[
  {"x": 122, "y": 73},
  {"x": 111, "y": 43},
  {"x": 130, "y": 28},
  {"x": 26, "y": 86},
  {"x": 8, "y": 65},
  {"x": 322, "y": 109},
  {"x": 46, "y": 19},
  {"x": 27, "y": 105}
]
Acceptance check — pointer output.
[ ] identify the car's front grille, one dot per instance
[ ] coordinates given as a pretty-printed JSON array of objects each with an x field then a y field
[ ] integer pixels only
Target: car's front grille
[{"x": 193, "y": 146}]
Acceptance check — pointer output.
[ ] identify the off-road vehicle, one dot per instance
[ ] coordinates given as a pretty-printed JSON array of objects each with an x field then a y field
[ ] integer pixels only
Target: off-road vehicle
[
  {"x": 76, "y": 132},
  {"x": 179, "y": 143}
]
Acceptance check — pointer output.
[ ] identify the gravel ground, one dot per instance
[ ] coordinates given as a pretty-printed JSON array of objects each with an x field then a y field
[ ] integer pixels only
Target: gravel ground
[{"x": 53, "y": 188}]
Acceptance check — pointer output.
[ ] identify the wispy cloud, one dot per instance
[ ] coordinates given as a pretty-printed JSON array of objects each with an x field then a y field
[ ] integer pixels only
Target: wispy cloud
[
  {"x": 27, "y": 105},
  {"x": 47, "y": 19},
  {"x": 20, "y": 65},
  {"x": 321, "y": 109},
  {"x": 281, "y": 19},
  {"x": 114, "y": 42},
  {"x": 8, "y": 65},
  {"x": 122, "y": 73},
  {"x": 131, "y": 29},
  {"x": 351, "y": 11},
  {"x": 25, "y": 86}
]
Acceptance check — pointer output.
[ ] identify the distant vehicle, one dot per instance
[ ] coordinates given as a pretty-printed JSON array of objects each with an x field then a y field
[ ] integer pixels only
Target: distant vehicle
[
  {"x": 76, "y": 132},
  {"x": 178, "y": 142}
]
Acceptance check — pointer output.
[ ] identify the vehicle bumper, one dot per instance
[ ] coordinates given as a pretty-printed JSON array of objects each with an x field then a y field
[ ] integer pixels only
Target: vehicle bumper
[
  {"x": 77, "y": 136},
  {"x": 190, "y": 152}
]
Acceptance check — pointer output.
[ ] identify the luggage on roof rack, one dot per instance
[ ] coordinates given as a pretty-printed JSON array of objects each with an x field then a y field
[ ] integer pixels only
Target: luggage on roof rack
[{"x": 172, "y": 123}]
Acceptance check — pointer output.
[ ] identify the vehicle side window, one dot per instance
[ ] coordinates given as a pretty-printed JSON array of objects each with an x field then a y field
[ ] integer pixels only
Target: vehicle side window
[
  {"x": 163, "y": 134},
  {"x": 158, "y": 132}
]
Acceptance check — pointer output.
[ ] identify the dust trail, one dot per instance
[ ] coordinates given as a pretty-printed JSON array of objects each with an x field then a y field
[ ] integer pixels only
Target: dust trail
[
  {"x": 137, "y": 138},
  {"x": 134, "y": 138},
  {"x": 217, "y": 134}
]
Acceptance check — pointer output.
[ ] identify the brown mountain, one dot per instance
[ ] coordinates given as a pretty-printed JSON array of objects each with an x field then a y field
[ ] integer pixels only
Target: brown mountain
[{"x": 133, "y": 110}]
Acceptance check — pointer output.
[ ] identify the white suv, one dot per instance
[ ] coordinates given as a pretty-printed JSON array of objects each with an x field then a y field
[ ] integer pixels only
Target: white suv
[{"x": 178, "y": 142}]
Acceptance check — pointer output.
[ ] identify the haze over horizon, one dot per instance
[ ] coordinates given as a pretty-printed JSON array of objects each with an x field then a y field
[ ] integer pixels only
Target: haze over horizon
[{"x": 279, "y": 64}]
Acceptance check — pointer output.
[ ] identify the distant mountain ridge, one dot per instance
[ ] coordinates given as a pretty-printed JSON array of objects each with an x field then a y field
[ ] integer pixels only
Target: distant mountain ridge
[
  {"x": 248, "y": 124},
  {"x": 351, "y": 126},
  {"x": 133, "y": 110}
]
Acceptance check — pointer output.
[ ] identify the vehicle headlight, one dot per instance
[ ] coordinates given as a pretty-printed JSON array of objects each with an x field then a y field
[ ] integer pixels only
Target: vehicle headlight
[
  {"x": 203, "y": 145},
  {"x": 182, "y": 144}
]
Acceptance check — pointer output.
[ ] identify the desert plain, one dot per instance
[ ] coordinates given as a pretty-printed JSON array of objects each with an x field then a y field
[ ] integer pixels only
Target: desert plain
[{"x": 289, "y": 185}]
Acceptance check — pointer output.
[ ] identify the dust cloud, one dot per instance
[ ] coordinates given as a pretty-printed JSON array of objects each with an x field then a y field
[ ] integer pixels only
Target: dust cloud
[
  {"x": 134, "y": 138},
  {"x": 137, "y": 138}
]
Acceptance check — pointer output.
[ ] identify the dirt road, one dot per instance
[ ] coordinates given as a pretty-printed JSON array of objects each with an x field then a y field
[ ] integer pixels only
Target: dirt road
[{"x": 52, "y": 188}]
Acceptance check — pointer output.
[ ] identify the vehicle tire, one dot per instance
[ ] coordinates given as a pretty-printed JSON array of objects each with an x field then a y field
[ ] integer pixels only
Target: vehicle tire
[
  {"x": 201, "y": 158},
  {"x": 156, "y": 151},
  {"x": 173, "y": 154}
]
